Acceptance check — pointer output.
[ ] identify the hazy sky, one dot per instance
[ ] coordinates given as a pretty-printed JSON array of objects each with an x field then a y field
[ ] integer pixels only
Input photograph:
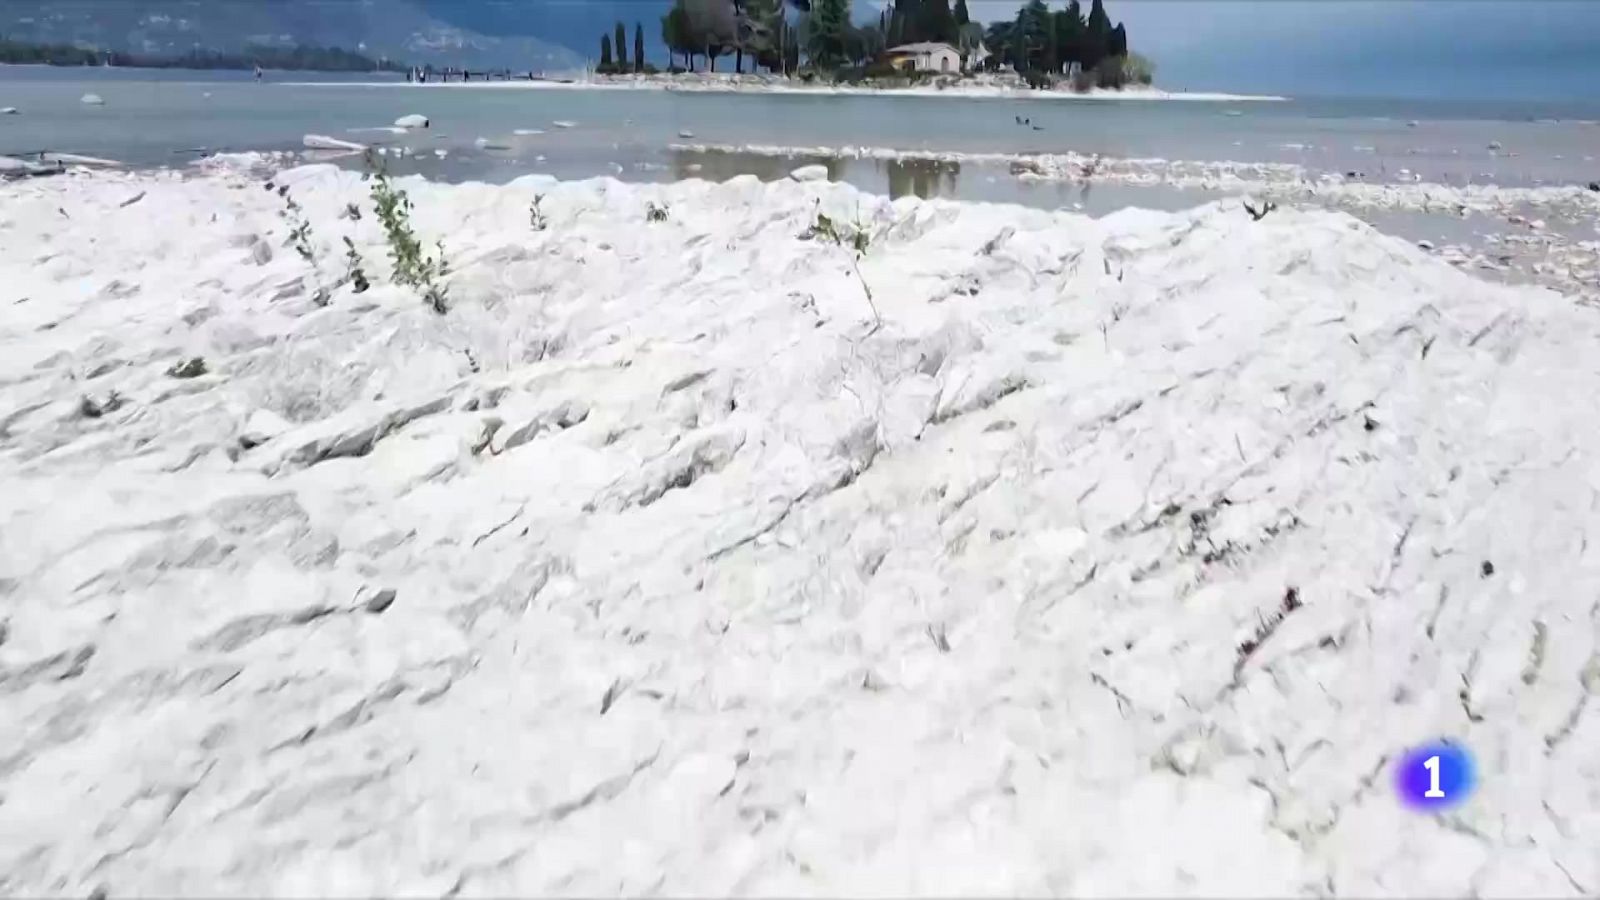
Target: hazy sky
[{"x": 1423, "y": 48}]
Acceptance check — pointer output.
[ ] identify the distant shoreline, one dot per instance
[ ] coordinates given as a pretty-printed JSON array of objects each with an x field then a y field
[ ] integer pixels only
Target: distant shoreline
[
  {"x": 395, "y": 76},
  {"x": 748, "y": 84}
]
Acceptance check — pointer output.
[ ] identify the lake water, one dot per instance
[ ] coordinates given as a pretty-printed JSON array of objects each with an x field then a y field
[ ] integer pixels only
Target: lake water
[{"x": 169, "y": 117}]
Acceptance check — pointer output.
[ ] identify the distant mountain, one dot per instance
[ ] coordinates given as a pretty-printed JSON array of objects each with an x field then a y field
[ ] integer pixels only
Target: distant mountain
[
  {"x": 410, "y": 30},
  {"x": 541, "y": 35},
  {"x": 573, "y": 24}
]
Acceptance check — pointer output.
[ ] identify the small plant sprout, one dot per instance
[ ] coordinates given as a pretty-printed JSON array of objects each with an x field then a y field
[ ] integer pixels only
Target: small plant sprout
[
  {"x": 300, "y": 235},
  {"x": 412, "y": 267},
  {"x": 301, "y": 239},
  {"x": 654, "y": 213},
  {"x": 354, "y": 272},
  {"x": 536, "y": 218},
  {"x": 855, "y": 237}
]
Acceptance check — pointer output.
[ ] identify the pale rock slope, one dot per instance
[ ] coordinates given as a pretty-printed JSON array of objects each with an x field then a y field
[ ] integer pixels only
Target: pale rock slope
[{"x": 1107, "y": 557}]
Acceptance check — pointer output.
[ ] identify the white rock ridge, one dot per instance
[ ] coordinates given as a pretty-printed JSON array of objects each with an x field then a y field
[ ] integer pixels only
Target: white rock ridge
[
  {"x": 324, "y": 142},
  {"x": 1079, "y": 556},
  {"x": 810, "y": 173}
]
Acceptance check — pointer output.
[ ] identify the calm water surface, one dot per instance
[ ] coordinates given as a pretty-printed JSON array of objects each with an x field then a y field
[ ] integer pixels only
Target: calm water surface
[{"x": 169, "y": 117}]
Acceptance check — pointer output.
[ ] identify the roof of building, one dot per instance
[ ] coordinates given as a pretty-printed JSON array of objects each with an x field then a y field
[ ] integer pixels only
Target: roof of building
[{"x": 922, "y": 47}]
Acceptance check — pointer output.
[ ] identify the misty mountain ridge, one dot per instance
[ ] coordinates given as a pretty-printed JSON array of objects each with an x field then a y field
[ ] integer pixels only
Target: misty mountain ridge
[
  {"x": 397, "y": 29},
  {"x": 537, "y": 35}
]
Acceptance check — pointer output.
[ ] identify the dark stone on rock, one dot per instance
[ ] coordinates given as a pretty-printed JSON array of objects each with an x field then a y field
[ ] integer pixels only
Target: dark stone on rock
[
  {"x": 1487, "y": 568},
  {"x": 381, "y": 601},
  {"x": 188, "y": 368},
  {"x": 91, "y": 408}
]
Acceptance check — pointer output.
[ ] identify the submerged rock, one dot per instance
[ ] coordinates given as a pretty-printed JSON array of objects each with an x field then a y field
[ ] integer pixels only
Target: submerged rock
[
  {"x": 412, "y": 121},
  {"x": 77, "y": 159},
  {"x": 810, "y": 173},
  {"x": 92, "y": 100},
  {"x": 323, "y": 142}
]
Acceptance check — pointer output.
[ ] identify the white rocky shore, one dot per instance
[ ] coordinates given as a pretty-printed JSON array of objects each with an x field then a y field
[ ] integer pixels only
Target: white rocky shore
[
  {"x": 1007, "y": 85},
  {"x": 1565, "y": 257},
  {"x": 998, "y": 84},
  {"x": 1115, "y": 556}
]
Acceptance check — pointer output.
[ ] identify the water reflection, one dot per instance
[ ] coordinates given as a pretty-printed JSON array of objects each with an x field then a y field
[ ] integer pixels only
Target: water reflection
[
  {"x": 717, "y": 165},
  {"x": 923, "y": 178}
]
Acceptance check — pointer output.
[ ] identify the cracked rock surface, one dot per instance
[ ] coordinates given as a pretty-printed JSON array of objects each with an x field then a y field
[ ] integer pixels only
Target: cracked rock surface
[{"x": 1034, "y": 555}]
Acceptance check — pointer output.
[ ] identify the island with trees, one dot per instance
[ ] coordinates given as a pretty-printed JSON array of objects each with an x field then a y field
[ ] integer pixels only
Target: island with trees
[{"x": 1063, "y": 47}]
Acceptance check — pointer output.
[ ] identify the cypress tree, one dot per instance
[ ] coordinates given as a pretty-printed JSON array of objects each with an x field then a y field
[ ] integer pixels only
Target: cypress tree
[
  {"x": 1068, "y": 28},
  {"x": 1032, "y": 37},
  {"x": 605, "y": 52},
  {"x": 938, "y": 23},
  {"x": 909, "y": 12},
  {"x": 638, "y": 47},
  {"x": 962, "y": 17},
  {"x": 1119, "y": 41},
  {"x": 1097, "y": 40},
  {"x": 620, "y": 41},
  {"x": 829, "y": 21}
]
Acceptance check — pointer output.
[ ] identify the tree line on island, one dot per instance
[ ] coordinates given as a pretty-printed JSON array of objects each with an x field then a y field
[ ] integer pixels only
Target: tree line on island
[
  {"x": 1043, "y": 45},
  {"x": 297, "y": 58}
]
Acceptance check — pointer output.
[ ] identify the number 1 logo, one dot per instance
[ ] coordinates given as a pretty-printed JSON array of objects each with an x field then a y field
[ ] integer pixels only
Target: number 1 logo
[
  {"x": 1433, "y": 792},
  {"x": 1435, "y": 776}
]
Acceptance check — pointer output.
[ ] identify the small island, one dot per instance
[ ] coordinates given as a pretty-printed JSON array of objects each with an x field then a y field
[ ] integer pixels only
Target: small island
[{"x": 913, "y": 43}]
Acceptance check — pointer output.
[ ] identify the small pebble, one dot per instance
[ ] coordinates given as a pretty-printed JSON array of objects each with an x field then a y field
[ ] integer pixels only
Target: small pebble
[{"x": 1487, "y": 568}]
